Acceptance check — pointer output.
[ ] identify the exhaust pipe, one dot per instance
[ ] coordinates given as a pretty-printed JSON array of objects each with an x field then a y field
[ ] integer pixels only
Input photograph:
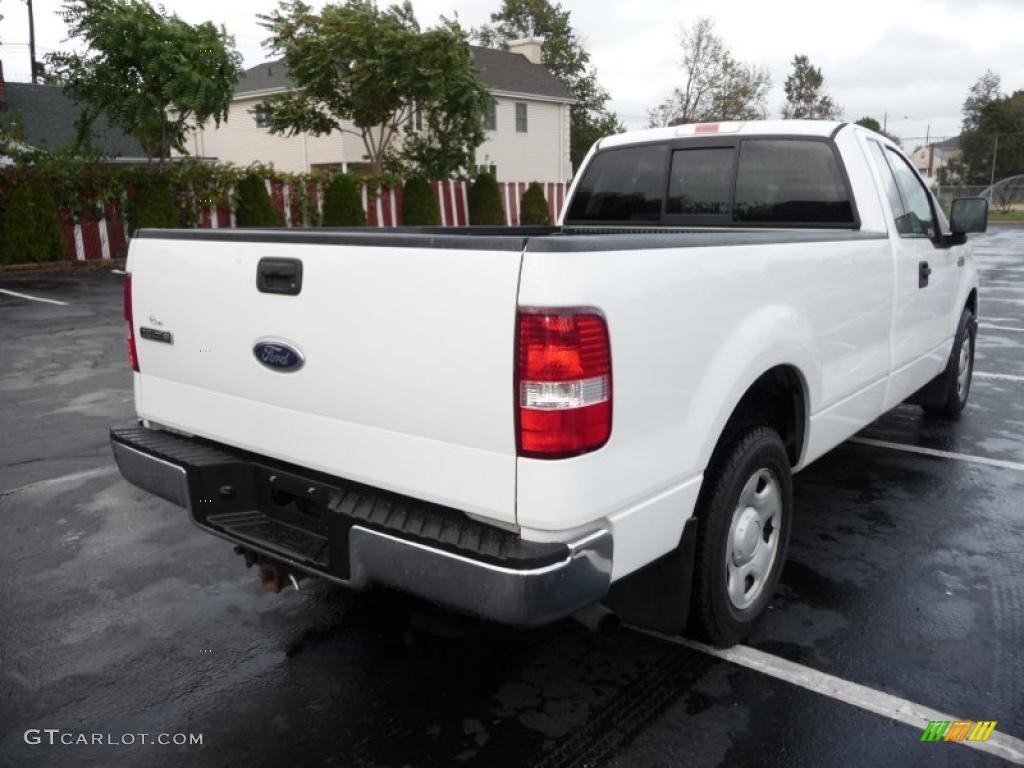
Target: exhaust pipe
[
  {"x": 276, "y": 576},
  {"x": 598, "y": 618}
]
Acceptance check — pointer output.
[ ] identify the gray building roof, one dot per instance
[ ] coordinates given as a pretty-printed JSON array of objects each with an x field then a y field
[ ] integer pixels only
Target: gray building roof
[
  {"x": 498, "y": 70},
  {"x": 48, "y": 117}
]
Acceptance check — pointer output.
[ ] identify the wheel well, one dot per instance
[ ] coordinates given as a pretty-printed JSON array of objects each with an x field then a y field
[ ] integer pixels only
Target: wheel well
[
  {"x": 775, "y": 400},
  {"x": 972, "y": 301}
]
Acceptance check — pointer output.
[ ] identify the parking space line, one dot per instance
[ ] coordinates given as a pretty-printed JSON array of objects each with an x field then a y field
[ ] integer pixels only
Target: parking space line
[
  {"x": 1002, "y": 376},
  {"x": 877, "y": 702},
  {"x": 33, "y": 298},
  {"x": 87, "y": 474},
  {"x": 938, "y": 454},
  {"x": 1000, "y": 328}
]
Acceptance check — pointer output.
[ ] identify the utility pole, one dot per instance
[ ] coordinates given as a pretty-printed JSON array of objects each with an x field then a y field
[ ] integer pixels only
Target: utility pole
[
  {"x": 32, "y": 40},
  {"x": 992, "y": 178}
]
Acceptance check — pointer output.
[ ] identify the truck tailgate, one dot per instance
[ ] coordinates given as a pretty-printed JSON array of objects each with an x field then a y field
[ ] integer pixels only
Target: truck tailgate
[{"x": 407, "y": 380}]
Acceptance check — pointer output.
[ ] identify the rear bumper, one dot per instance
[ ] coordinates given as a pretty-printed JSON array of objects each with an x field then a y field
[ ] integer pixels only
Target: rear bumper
[{"x": 357, "y": 536}]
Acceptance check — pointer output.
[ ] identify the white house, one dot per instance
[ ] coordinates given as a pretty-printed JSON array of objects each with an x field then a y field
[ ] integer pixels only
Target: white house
[
  {"x": 928, "y": 159},
  {"x": 527, "y": 137}
]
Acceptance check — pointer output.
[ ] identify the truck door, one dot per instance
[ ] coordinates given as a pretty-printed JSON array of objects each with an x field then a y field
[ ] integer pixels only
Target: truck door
[{"x": 921, "y": 302}]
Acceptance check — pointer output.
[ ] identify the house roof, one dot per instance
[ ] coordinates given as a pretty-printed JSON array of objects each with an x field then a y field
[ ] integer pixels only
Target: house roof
[
  {"x": 48, "y": 116},
  {"x": 498, "y": 70},
  {"x": 950, "y": 143}
]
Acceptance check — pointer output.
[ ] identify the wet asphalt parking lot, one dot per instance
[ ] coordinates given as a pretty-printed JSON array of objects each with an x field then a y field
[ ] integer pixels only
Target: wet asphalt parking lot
[{"x": 117, "y": 616}]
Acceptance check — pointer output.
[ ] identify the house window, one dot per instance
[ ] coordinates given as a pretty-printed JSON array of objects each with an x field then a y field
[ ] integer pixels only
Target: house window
[
  {"x": 491, "y": 120},
  {"x": 419, "y": 119},
  {"x": 261, "y": 118},
  {"x": 521, "y": 117}
]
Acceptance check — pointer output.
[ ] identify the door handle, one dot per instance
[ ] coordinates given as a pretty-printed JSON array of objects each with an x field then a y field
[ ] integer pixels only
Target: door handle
[
  {"x": 923, "y": 272},
  {"x": 282, "y": 276}
]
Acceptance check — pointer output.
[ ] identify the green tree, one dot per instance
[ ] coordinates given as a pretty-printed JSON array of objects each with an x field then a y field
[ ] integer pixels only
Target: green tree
[
  {"x": 32, "y": 228},
  {"x": 354, "y": 63},
  {"x": 985, "y": 90},
  {"x": 533, "y": 208},
  {"x": 870, "y": 123},
  {"x": 998, "y": 133},
  {"x": 485, "y": 202},
  {"x": 152, "y": 74},
  {"x": 873, "y": 125},
  {"x": 343, "y": 203},
  {"x": 565, "y": 56},
  {"x": 419, "y": 204},
  {"x": 805, "y": 94},
  {"x": 715, "y": 85},
  {"x": 255, "y": 208}
]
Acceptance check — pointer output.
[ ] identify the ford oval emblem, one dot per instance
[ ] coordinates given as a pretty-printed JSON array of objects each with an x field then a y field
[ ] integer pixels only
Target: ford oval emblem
[{"x": 278, "y": 356}]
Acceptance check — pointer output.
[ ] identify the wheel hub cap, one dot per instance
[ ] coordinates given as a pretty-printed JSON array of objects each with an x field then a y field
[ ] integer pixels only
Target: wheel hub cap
[
  {"x": 963, "y": 372},
  {"x": 753, "y": 542},
  {"x": 748, "y": 531}
]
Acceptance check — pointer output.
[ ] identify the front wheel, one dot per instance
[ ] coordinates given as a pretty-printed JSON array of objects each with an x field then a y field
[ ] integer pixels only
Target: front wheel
[
  {"x": 742, "y": 535},
  {"x": 946, "y": 396}
]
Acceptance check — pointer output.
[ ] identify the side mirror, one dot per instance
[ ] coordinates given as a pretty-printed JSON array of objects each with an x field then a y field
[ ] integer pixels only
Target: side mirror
[{"x": 968, "y": 214}]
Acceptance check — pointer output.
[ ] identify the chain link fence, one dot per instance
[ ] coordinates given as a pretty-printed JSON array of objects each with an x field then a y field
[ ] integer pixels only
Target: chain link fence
[{"x": 1004, "y": 196}]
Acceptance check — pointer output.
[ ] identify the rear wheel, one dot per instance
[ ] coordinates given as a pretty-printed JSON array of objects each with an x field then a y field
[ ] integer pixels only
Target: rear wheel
[{"x": 742, "y": 535}]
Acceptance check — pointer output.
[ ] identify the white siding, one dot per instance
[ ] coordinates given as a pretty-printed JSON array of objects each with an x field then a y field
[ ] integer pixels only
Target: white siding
[{"x": 540, "y": 154}]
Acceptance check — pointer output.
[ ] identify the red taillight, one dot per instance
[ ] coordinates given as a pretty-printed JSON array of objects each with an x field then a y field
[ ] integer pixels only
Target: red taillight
[
  {"x": 563, "y": 383},
  {"x": 132, "y": 354}
]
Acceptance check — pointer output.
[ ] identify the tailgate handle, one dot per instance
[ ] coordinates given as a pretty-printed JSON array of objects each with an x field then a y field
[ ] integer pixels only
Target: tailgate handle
[{"x": 275, "y": 275}]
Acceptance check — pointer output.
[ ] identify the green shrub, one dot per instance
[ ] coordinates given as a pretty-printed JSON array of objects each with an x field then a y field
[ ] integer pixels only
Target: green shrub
[
  {"x": 343, "y": 205},
  {"x": 485, "y": 201},
  {"x": 255, "y": 208},
  {"x": 419, "y": 203},
  {"x": 31, "y": 225},
  {"x": 152, "y": 205},
  {"x": 533, "y": 208}
]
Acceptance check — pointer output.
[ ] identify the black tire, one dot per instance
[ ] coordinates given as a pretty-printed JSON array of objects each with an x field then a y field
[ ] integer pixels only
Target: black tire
[
  {"x": 942, "y": 397},
  {"x": 714, "y": 616}
]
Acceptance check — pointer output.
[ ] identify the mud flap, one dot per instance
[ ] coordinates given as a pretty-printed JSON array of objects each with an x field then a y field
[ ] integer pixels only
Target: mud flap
[{"x": 658, "y": 595}]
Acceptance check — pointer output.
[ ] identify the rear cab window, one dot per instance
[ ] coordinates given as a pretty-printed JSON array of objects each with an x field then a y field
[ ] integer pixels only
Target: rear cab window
[
  {"x": 733, "y": 182},
  {"x": 622, "y": 186}
]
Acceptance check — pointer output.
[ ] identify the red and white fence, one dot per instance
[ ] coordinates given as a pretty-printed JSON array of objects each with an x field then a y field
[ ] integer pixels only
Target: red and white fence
[{"x": 91, "y": 238}]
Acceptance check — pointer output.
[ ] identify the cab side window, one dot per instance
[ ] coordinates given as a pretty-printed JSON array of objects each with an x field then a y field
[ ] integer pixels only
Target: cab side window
[
  {"x": 917, "y": 219},
  {"x": 892, "y": 192}
]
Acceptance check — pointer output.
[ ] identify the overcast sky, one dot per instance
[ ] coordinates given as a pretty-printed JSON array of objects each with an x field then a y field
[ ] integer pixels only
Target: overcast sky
[{"x": 912, "y": 59}]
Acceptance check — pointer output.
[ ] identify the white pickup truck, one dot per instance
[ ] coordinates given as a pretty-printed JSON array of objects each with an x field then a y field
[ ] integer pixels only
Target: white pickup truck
[{"x": 521, "y": 423}]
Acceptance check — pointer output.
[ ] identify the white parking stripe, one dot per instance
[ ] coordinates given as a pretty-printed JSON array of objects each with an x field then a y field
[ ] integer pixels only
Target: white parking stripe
[
  {"x": 33, "y": 298},
  {"x": 1002, "y": 376},
  {"x": 83, "y": 475},
  {"x": 938, "y": 454},
  {"x": 878, "y": 702},
  {"x": 1000, "y": 328}
]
